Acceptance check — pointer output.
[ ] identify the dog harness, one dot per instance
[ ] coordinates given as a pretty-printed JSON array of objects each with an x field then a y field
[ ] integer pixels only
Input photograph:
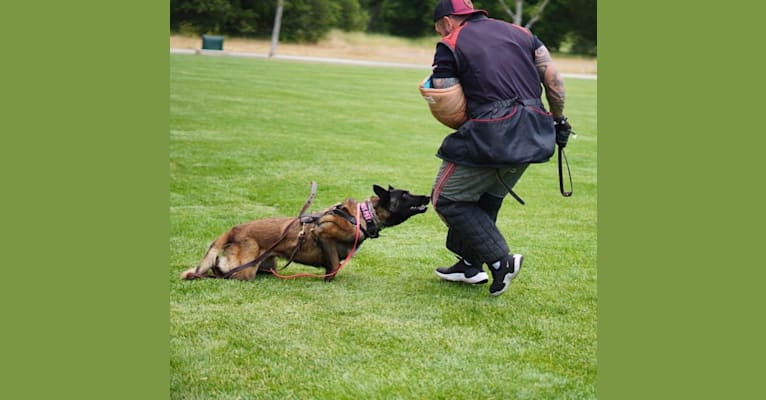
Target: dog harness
[{"x": 370, "y": 229}]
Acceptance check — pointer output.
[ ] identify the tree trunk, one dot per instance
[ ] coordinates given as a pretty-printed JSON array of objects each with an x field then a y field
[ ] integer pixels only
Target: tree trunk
[
  {"x": 277, "y": 26},
  {"x": 374, "y": 14},
  {"x": 518, "y": 16},
  {"x": 507, "y": 10},
  {"x": 538, "y": 13}
]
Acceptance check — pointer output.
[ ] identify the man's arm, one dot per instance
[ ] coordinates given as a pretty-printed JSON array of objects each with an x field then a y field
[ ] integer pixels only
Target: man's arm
[
  {"x": 444, "y": 68},
  {"x": 552, "y": 81},
  {"x": 443, "y": 83}
]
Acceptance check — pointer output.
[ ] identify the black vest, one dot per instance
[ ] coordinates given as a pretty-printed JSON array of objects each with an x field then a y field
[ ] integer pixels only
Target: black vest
[
  {"x": 495, "y": 60},
  {"x": 509, "y": 124}
]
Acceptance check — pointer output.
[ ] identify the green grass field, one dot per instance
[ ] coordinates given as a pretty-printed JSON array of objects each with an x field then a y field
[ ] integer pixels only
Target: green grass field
[{"x": 247, "y": 137}]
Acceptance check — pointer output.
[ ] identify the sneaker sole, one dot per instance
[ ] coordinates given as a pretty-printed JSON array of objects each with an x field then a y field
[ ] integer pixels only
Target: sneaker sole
[
  {"x": 518, "y": 260},
  {"x": 477, "y": 279}
]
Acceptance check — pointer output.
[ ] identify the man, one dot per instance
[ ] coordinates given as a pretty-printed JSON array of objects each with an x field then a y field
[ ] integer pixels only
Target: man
[{"x": 505, "y": 127}]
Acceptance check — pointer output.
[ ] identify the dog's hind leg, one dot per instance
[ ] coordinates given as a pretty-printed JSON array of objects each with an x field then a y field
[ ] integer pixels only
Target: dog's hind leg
[
  {"x": 237, "y": 260},
  {"x": 209, "y": 259}
]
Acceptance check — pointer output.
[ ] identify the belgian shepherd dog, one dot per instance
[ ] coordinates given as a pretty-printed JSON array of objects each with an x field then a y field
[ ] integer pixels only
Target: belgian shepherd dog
[{"x": 321, "y": 240}]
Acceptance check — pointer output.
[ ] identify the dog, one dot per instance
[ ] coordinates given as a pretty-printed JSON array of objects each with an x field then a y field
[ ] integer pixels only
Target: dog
[{"x": 321, "y": 240}]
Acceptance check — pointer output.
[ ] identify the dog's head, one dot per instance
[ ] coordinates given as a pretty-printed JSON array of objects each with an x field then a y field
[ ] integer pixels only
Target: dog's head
[{"x": 395, "y": 206}]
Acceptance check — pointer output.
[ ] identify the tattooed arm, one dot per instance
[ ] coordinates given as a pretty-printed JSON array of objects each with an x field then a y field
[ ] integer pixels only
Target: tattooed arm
[
  {"x": 443, "y": 83},
  {"x": 552, "y": 81},
  {"x": 444, "y": 68}
]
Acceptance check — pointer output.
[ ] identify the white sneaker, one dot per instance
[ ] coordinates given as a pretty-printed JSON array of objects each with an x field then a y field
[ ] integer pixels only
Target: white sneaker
[
  {"x": 460, "y": 272},
  {"x": 502, "y": 275}
]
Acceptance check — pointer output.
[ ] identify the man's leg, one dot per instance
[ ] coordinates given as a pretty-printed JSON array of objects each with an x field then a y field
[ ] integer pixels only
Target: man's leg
[
  {"x": 506, "y": 269},
  {"x": 468, "y": 200},
  {"x": 468, "y": 268}
]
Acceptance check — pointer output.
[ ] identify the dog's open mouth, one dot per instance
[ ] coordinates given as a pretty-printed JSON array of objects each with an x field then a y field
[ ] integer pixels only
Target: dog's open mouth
[{"x": 422, "y": 207}]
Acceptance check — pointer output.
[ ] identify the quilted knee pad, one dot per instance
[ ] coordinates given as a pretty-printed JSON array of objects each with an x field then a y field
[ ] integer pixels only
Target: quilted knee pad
[
  {"x": 475, "y": 228},
  {"x": 491, "y": 205},
  {"x": 456, "y": 245}
]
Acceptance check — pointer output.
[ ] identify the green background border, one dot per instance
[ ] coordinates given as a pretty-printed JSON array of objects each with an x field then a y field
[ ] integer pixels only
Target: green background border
[
  {"x": 85, "y": 182},
  {"x": 679, "y": 170},
  {"x": 85, "y": 188}
]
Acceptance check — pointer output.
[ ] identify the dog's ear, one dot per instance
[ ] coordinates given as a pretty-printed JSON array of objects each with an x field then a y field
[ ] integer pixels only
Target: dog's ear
[{"x": 383, "y": 194}]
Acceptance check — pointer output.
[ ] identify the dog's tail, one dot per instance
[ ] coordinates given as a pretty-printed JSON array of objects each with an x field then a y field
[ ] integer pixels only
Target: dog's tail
[{"x": 209, "y": 260}]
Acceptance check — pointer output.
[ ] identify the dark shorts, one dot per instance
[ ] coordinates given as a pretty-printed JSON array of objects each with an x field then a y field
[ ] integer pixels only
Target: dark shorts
[{"x": 463, "y": 183}]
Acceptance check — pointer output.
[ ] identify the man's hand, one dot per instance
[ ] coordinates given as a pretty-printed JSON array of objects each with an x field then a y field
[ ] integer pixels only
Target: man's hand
[{"x": 563, "y": 129}]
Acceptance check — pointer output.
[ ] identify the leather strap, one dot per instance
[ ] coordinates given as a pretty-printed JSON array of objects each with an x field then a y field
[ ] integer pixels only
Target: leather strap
[
  {"x": 282, "y": 237},
  {"x": 561, "y": 174}
]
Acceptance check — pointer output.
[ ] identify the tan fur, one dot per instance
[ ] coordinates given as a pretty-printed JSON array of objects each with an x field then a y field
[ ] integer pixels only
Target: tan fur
[
  {"x": 321, "y": 240},
  {"x": 245, "y": 242}
]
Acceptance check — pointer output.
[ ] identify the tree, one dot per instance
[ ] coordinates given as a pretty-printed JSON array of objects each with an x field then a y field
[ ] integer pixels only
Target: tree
[
  {"x": 303, "y": 20},
  {"x": 277, "y": 25},
  {"x": 517, "y": 16},
  {"x": 409, "y": 18},
  {"x": 569, "y": 24},
  {"x": 556, "y": 22},
  {"x": 373, "y": 9},
  {"x": 204, "y": 16},
  {"x": 352, "y": 17}
]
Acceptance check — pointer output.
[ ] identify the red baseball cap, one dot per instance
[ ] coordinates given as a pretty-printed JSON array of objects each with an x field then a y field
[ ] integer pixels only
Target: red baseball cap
[{"x": 455, "y": 7}]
